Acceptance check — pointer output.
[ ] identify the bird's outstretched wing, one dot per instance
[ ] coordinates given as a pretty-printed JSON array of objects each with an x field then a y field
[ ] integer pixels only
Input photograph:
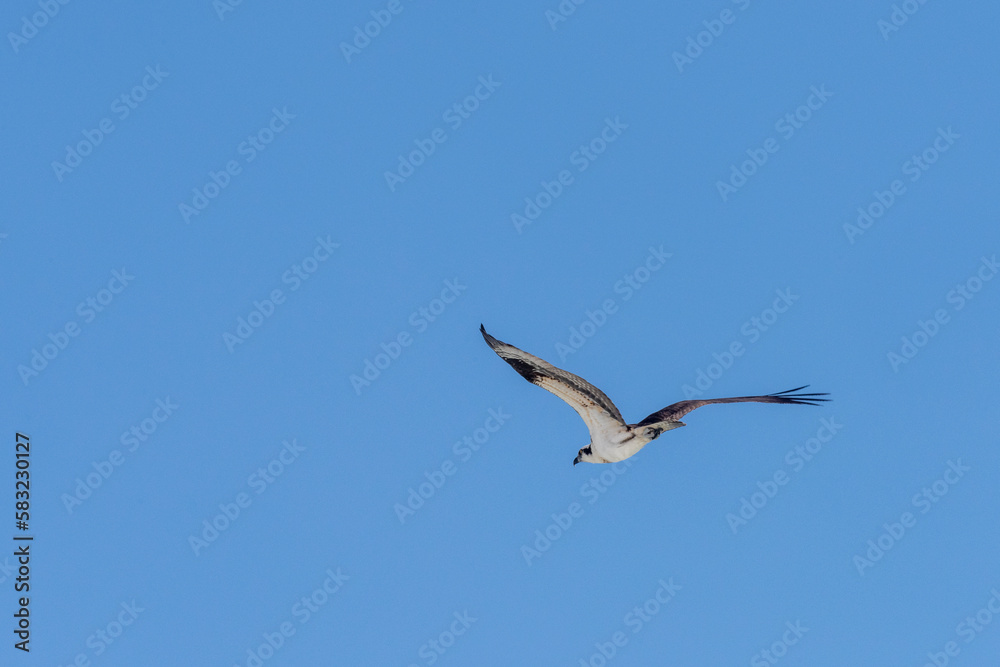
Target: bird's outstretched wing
[
  {"x": 592, "y": 404},
  {"x": 677, "y": 410}
]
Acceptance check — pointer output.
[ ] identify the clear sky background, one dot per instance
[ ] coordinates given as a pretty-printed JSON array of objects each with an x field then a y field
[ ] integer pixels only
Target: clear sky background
[{"x": 693, "y": 201}]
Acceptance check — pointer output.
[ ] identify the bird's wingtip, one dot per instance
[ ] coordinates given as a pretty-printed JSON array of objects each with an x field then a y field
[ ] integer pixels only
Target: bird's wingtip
[{"x": 490, "y": 340}]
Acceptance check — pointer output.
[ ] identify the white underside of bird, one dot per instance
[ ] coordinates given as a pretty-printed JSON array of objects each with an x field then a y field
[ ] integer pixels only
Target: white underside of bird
[{"x": 617, "y": 443}]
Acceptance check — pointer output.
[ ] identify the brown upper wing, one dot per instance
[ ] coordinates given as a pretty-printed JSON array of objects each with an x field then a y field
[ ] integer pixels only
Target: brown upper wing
[{"x": 677, "y": 410}]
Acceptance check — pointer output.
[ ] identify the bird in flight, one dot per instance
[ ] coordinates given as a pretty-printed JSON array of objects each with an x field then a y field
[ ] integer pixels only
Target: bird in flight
[{"x": 611, "y": 439}]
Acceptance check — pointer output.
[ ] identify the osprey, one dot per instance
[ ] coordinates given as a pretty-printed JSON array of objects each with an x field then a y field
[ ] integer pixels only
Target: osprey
[{"x": 611, "y": 439}]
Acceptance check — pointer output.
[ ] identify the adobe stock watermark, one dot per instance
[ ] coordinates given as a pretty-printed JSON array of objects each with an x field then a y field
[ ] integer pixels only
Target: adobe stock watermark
[
  {"x": 87, "y": 310},
  {"x": 248, "y": 149},
  {"x": 223, "y": 7},
  {"x": 131, "y": 440},
  {"x": 463, "y": 449},
  {"x": 258, "y": 481},
  {"x": 432, "y": 650},
  {"x": 697, "y": 43},
  {"x": 898, "y": 17},
  {"x": 454, "y": 116},
  {"x": 779, "y": 648},
  {"x": 7, "y": 570},
  {"x": 914, "y": 168},
  {"x": 927, "y": 329},
  {"x": 584, "y": 156},
  {"x": 295, "y": 276},
  {"x": 302, "y": 611},
  {"x": 635, "y": 620},
  {"x": 103, "y": 637},
  {"x": 562, "y": 12},
  {"x": 786, "y": 126},
  {"x": 121, "y": 107},
  {"x": 593, "y": 490},
  {"x": 795, "y": 459},
  {"x": 627, "y": 286},
  {"x": 971, "y": 627},
  {"x": 419, "y": 320},
  {"x": 366, "y": 32},
  {"x": 752, "y": 329},
  {"x": 30, "y": 25},
  {"x": 925, "y": 500}
]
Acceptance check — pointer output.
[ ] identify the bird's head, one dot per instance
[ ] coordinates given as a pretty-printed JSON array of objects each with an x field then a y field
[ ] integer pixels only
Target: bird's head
[{"x": 585, "y": 454}]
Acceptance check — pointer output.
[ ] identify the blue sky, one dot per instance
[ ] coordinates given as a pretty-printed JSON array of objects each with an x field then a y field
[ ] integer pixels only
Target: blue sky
[{"x": 246, "y": 250}]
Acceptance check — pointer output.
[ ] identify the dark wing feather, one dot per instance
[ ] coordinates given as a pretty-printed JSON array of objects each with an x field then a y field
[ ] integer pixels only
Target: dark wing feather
[
  {"x": 677, "y": 410},
  {"x": 592, "y": 404}
]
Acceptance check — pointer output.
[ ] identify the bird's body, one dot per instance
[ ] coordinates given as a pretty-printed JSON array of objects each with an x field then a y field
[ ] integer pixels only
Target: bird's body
[
  {"x": 611, "y": 438},
  {"x": 617, "y": 444}
]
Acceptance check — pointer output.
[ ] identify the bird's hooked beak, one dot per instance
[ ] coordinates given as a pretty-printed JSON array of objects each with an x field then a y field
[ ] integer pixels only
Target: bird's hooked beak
[{"x": 576, "y": 460}]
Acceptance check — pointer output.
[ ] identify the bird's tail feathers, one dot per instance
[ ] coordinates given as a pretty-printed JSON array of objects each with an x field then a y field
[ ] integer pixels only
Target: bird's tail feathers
[{"x": 653, "y": 431}]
